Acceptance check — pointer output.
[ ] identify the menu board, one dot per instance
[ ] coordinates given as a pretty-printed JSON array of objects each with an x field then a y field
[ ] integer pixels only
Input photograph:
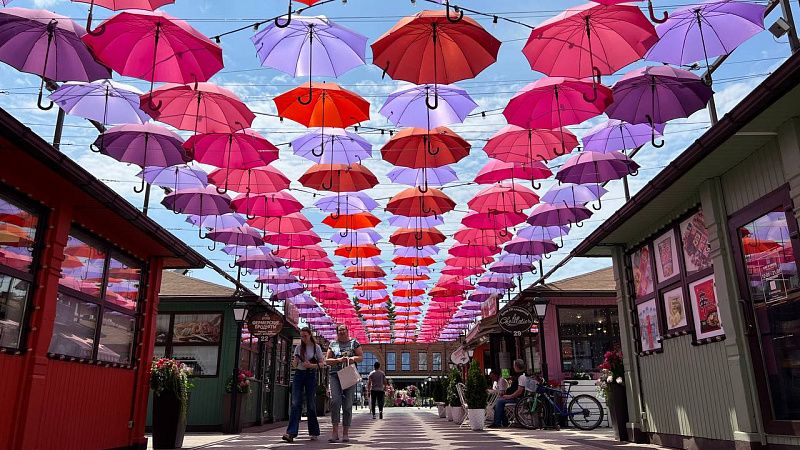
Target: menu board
[
  {"x": 696, "y": 250},
  {"x": 705, "y": 308},
  {"x": 666, "y": 256},
  {"x": 642, "y": 272},
  {"x": 205, "y": 328}
]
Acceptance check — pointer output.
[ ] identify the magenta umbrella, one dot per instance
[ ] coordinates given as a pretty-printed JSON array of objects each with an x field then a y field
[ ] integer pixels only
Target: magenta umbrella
[
  {"x": 493, "y": 220},
  {"x": 198, "y": 107},
  {"x": 116, "y": 5},
  {"x": 275, "y": 204},
  {"x": 200, "y": 202},
  {"x": 547, "y": 215},
  {"x": 496, "y": 171},
  {"x": 503, "y": 197},
  {"x": 46, "y": 44},
  {"x": 594, "y": 167}
]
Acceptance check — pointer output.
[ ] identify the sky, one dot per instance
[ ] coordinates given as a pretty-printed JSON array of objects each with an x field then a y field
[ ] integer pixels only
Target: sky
[{"x": 492, "y": 89}]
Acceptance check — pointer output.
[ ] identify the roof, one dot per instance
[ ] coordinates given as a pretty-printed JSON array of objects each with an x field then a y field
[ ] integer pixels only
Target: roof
[
  {"x": 176, "y": 285},
  {"x": 747, "y": 127},
  {"x": 120, "y": 213},
  {"x": 597, "y": 281}
]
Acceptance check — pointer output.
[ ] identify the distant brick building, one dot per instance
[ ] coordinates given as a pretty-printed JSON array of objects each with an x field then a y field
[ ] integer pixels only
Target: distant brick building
[{"x": 407, "y": 364}]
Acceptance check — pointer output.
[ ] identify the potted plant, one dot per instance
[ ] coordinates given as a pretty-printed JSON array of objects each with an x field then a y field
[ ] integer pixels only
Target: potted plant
[
  {"x": 456, "y": 412},
  {"x": 233, "y": 422},
  {"x": 476, "y": 397},
  {"x": 611, "y": 386},
  {"x": 438, "y": 397},
  {"x": 169, "y": 380},
  {"x": 322, "y": 398}
]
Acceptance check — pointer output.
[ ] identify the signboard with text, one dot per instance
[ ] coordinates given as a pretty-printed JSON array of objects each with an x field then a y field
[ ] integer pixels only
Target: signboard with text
[
  {"x": 265, "y": 325},
  {"x": 489, "y": 307},
  {"x": 515, "y": 320}
]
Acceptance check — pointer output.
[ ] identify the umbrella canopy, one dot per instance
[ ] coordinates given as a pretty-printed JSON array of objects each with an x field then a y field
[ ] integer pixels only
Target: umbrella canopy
[
  {"x": 492, "y": 220},
  {"x": 473, "y": 250},
  {"x": 352, "y": 221},
  {"x": 418, "y": 147},
  {"x": 547, "y": 215},
  {"x": 330, "y": 105},
  {"x": 503, "y": 197},
  {"x": 415, "y": 222},
  {"x": 365, "y": 236},
  {"x": 407, "y": 237},
  {"x": 364, "y": 272},
  {"x": 408, "y": 106},
  {"x": 145, "y": 144},
  {"x": 554, "y": 102},
  {"x": 574, "y": 194},
  {"x": 496, "y": 171},
  {"x": 174, "y": 177},
  {"x": 411, "y": 203},
  {"x": 333, "y": 145},
  {"x": 261, "y": 262},
  {"x": 522, "y": 246},
  {"x": 520, "y": 145},
  {"x": 616, "y": 135},
  {"x": 117, "y": 5},
  {"x": 481, "y": 237},
  {"x": 220, "y": 221},
  {"x": 198, "y": 107},
  {"x": 290, "y": 223},
  {"x": 347, "y": 202},
  {"x": 259, "y": 180},
  {"x": 273, "y": 204},
  {"x": 308, "y": 253},
  {"x": 434, "y": 176},
  {"x": 201, "y": 202},
  {"x": 339, "y": 178},
  {"x": 357, "y": 251},
  {"x": 240, "y": 236},
  {"x": 594, "y": 167},
  {"x": 243, "y": 149},
  {"x": 298, "y": 239},
  {"x": 104, "y": 101}
]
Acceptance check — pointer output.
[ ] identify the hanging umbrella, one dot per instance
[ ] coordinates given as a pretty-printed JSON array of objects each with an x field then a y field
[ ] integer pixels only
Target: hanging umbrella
[
  {"x": 575, "y": 194},
  {"x": 239, "y": 250},
  {"x": 503, "y": 197},
  {"x": 259, "y": 180},
  {"x": 290, "y": 223},
  {"x": 616, "y": 135},
  {"x": 493, "y": 220},
  {"x": 117, "y": 5},
  {"x": 408, "y": 106},
  {"x": 273, "y": 204},
  {"x": 411, "y": 203},
  {"x": 338, "y": 178},
  {"x": 549, "y": 233},
  {"x": 417, "y": 238},
  {"x": 197, "y": 107},
  {"x": 416, "y": 222},
  {"x": 481, "y": 237},
  {"x": 334, "y": 145},
  {"x": 364, "y": 272},
  {"x": 307, "y": 253},
  {"x": 547, "y": 215},
  {"x": 350, "y": 201},
  {"x": 49, "y": 45},
  {"x": 413, "y": 250},
  {"x": 357, "y": 251},
  {"x": 243, "y": 236},
  {"x": 594, "y": 167},
  {"x": 496, "y": 171},
  {"x": 330, "y": 105},
  {"x": 220, "y": 221},
  {"x": 519, "y": 145},
  {"x": 416, "y": 262},
  {"x": 424, "y": 177},
  {"x": 658, "y": 94},
  {"x": 706, "y": 30},
  {"x": 523, "y": 246},
  {"x": 154, "y": 46},
  {"x": 352, "y": 221},
  {"x": 175, "y": 177},
  {"x": 417, "y": 148},
  {"x": 244, "y": 149},
  {"x": 260, "y": 262},
  {"x": 473, "y": 250},
  {"x": 200, "y": 202},
  {"x": 365, "y": 236},
  {"x": 298, "y": 239},
  {"x": 104, "y": 101}
]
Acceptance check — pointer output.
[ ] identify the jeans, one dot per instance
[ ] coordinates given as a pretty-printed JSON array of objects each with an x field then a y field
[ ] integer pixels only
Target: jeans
[
  {"x": 376, "y": 397},
  {"x": 500, "y": 418},
  {"x": 304, "y": 381},
  {"x": 341, "y": 400}
]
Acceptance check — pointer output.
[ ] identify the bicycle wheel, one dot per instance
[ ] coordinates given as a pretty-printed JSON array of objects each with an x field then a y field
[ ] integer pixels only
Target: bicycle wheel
[
  {"x": 585, "y": 412},
  {"x": 525, "y": 413}
]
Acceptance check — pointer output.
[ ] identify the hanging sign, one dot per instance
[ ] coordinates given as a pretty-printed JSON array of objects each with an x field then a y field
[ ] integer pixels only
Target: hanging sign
[
  {"x": 459, "y": 356},
  {"x": 489, "y": 307},
  {"x": 515, "y": 320},
  {"x": 265, "y": 325}
]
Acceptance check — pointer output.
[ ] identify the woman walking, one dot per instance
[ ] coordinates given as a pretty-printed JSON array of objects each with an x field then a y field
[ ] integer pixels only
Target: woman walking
[
  {"x": 376, "y": 382},
  {"x": 307, "y": 361},
  {"x": 343, "y": 350}
]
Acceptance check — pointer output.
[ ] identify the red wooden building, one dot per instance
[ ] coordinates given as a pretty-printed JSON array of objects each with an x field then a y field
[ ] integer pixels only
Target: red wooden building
[{"x": 80, "y": 270}]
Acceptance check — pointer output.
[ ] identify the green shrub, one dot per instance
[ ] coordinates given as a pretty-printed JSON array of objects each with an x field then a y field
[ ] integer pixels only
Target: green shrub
[
  {"x": 452, "y": 393},
  {"x": 476, "y": 395}
]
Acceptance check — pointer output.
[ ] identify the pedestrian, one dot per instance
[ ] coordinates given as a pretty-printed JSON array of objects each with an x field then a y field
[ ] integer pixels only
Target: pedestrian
[
  {"x": 343, "y": 350},
  {"x": 376, "y": 382},
  {"x": 511, "y": 395},
  {"x": 307, "y": 361}
]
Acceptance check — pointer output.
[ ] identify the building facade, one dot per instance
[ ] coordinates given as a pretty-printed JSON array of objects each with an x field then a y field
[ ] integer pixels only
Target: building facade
[{"x": 407, "y": 364}]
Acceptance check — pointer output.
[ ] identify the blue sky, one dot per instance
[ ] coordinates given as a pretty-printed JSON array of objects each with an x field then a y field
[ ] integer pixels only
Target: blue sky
[{"x": 491, "y": 90}]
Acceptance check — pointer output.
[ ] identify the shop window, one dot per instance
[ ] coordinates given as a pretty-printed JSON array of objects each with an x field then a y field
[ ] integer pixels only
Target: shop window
[
  {"x": 75, "y": 327},
  {"x": 436, "y": 362},
  {"x": 282, "y": 365},
  {"x": 405, "y": 361},
  {"x": 391, "y": 361},
  {"x": 193, "y": 339},
  {"x": 249, "y": 355},
  {"x": 422, "y": 360},
  {"x": 585, "y": 334}
]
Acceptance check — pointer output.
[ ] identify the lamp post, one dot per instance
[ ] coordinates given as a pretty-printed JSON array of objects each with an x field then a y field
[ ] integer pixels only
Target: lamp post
[
  {"x": 239, "y": 315},
  {"x": 540, "y": 308},
  {"x": 430, "y": 392}
]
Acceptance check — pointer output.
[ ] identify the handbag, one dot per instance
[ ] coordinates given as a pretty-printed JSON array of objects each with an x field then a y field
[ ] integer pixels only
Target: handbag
[{"x": 348, "y": 376}]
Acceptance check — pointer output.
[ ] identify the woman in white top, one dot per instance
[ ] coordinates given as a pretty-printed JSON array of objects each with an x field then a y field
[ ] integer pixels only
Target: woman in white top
[{"x": 307, "y": 360}]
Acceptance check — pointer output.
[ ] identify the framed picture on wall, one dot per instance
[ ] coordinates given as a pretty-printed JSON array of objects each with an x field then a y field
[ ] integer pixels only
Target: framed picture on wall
[
  {"x": 666, "y": 253},
  {"x": 705, "y": 308},
  {"x": 642, "y": 272},
  {"x": 649, "y": 333},
  {"x": 694, "y": 236},
  {"x": 676, "y": 318}
]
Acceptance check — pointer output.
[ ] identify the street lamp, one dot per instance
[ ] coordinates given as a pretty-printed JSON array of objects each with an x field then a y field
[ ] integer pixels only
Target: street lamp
[
  {"x": 540, "y": 308},
  {"x": 239, "y": 315}
]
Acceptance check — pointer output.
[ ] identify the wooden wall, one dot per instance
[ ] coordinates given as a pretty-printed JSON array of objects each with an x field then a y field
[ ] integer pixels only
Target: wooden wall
[{"x": 753, "y": 178}]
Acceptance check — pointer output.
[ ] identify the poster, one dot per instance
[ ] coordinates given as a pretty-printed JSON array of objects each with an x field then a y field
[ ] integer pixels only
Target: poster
[
  {"x": 705, "y": 309},
  {"x": 197, "y": 328},
  {"x": 642, "y": 272},
  {"x": 666, "y": 256},
  {"x": 675, "y": 310},
  {"x": 694, "y": 236},
  {"x": 649, "y": 334}
]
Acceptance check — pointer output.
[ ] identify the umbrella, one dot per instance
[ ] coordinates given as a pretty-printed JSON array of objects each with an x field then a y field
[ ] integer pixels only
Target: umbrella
[
  {"x": 201, "y": 202},
  {"x": 175, "y": 177},
  {"x": 290, "y": 223},
  {"x": 48, "y": 45},
  {"x": 416, "y": 262},
  {"x": 116, "y": 5},
  {"x": 519, "y": 145},
  {"x": 473, "y": 250},
  {"x": 365, "y": 236},
  {"x": 298, "y": 239},
  {"x": 311, "y": 252},
  {"x": 352, "y": 221},
  {"x": 243, "y": 236},
  {"x": 496, "y": 171},
  {"x": 413, "y": 250},
  {"x": 481, "y": 237},
  {"x": 349, "y": 201},
  {"x": 503, "y": 197},
  {"x": 417, "y": 238},
  {"x": 343, "y": 147},
  {"x": 244, "y": 149},
  {"x": 357, "y": 251},
  {"x": 412, "y": 203},
  {"x": 260, "y": 262},
  {"x": 407, "y": 106},
  {"x": 418, "y": 222},
  {"x": 198, "y": 107},
  {"x": 575, "y": 194},
  {"x": 522, "y": 246},
  {"x": 616, "y": 135},
  {"x": 154, "y": 46},
  {"x": 239, "y": 250},
  {"x": 424, "y": 177},
  {"x": 104, "y": 101},
  {"x": 709, "y": 29},
  {"x": 658, "y": 94},
  {"x": 493, "y": 220},
  {"x": 594, "y": 167},
  {"x": 418, "y": 147},
  {"x": 364, "y": 272},
  {"x": 259, "y": 180},
  {"x": 273, "y": 204},
  {"x": 338, "y": 178},
  {"x": 330, "y": 105},
  {"x": 221, "y": 221},
  {"x": 547, "y": 215}
]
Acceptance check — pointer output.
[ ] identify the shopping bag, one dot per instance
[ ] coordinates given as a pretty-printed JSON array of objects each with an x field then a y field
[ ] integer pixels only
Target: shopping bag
[{"x": 348, "y": 376}]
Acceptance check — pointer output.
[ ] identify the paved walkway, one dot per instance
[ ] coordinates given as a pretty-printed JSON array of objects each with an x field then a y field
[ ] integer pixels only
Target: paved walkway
[{"x": 418, "y": 429}]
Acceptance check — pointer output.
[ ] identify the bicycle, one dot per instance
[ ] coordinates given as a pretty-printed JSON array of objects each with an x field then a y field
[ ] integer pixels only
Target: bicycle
[{"x": 584, "y": 411}]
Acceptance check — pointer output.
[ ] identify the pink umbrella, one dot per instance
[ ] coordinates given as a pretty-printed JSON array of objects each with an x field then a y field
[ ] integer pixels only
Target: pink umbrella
[
  {"x": 496, "y": 171},
  {"x": 293, "y": 239},
  {"x": 259, "y": 180},
  {"x": 493, "y": 220},
  {"x": 266, "y": 205},
  {"x": 290, "y": 223},
  {"x": 481, "y": 237},
  {"x": 116, "y": 5},
  {"x": 472, "y": 250},
  {"x": 503, "y": 197},
  {"x": 521, "y": 145},
  {"x": 244, "y": 149},
  {"x": 198, "y": 107}
]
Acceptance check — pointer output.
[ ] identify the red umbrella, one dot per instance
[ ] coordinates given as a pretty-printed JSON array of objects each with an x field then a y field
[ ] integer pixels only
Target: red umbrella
[
  {"x": 260, "y": 180},
  {"x": 412, "y": 277},
  {"x": 290, "y": 223},
  {"x": 352, "y": 221},
  {"x": 465, "y": 271},
  {"x": 413, "y": 261},
  {"x": 503, "y": 197},
  {"x": 339, "y": 178},
  {"x": 370, "y": 286},
  {"x": 329, "y": 106},
  {"x": 273, "y": 204},
  {"x": 364, "y": 272},
  {"x": 413, "y": 203},
  {"x": 496, "y": 171},
  {"x": 408, "y": 292},
  {"x": 418, "y": 148},
  {"x": 521, "y": 145},
  {"x": 752, "y": 246},
  {"x": 198, "y": 107},
  {"x": 357, "y": 251},
  {"x": 409, "y": 237}
]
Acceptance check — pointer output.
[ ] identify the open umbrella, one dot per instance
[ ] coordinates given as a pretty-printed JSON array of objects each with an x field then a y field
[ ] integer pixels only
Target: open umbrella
[
  {"x": 298, "y": 239},
  {"x": 243, "y": 236},
  {"x": 415, "y": 222},
  {"x": 503, "y": 197},
  {"x": 493, "y": 220},
  {"x": 575, "y": 194},
  {"x": 560, "y": 214},
  {"x": 412, "y": 203},
  {"x": 408, "y": 106},
  {"x": 330, "y": 105},
  {"x": 523, "y": 246},
  {"x": 200, "y": 202},
  {"x": 197, "y": 107},
  {"x": 352, "y": 221},
  {"x": 116, "y": 5},
  {"x": 243, "y": 149},
  {"x": 273, "y": 204},
  {"x": 594, "y": 167},
  {"x": 407, "y": 237},
  {"x": 418, "y": 147},
  {"x": 473, "y": 250},
  {"x": 481, "y": 237},
  {"x": 104, "y": 101},
  {"x": 424, "y": 177},
  {"x": 333, "y": 145},
  {"x": 365, "y": 236},
  {"x": 338, "y": 178},
  {"x": 616, "y": 135},
  {"x": 175, "y": 177},
  {"x": 259, "y": 180},
  {"x": 496, "y": 171},
  {"x": 520, "y": 145},
  {"x": 221, "y": 221},
  {"x": 352, "y": 202},
  {"x": 290, "y": 223}
]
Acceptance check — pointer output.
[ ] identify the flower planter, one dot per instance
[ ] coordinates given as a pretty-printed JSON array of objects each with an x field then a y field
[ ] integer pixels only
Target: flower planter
[
  {"x": 476, "y": 418},
  {"x": 458, "y": 414},
  {"x": 440, "y": 408},
  {"x": 618, "y": 411},
  {"x": 232, "y": 425},
  {"x": 448, "y": 410},
  {"x": 169, "y": 421}
]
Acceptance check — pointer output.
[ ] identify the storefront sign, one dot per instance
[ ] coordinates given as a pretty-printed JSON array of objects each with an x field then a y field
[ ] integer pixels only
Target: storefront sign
[
  {"x": 292, "y": 314},
  {"x": 459, "y": 356},
  {"x": 473, "y": 333},
  {"x": 489, "y": 307},
  {"x": 265, "y": 325},
  {"x": 515, "y": 320}
]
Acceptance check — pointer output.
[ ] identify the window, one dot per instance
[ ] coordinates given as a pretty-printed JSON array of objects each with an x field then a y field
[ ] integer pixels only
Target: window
[
  {"x": 437, "y": 362},
  {"x": 194, "y": 339},
  {"x": 405, "y": 361},
  {"x": 368, "y": 364},
  {"x": 249, "y": 356},
  {"x": 585, "y": 334},
  {"x": 422, "y": 360},
  {"x": 18, "y": 231},
  {"x": 391, "y": 361},
  {"x": 96, "y": 304},
  {"x": 282, "y": 364}
]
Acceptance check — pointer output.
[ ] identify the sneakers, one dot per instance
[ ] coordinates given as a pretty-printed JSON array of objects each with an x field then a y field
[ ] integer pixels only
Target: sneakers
[
  {"x": 288, "y": 438},
  {"x": 314, "y": 438},
  {"x": 381, "y": 414}
]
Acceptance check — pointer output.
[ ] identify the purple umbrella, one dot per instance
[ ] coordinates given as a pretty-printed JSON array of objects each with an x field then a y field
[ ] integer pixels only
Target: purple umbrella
[
  {"x": 615, "y": 135},
  {"x": 104, "y": 101},
  {"x": 433, "y": 176},
  {"x": 373, "y": 261},
  {"x": 510, "y": 267},
  {"x": 496, "y": 281},
  {"x": 290, "y": 292},
  {"x": 416, "y": 252},
  {"x": 593, "y": 167},
  {"x": 175, "y": 177},
  {"x": 357, "y": 237},
  {"x": 415, "y": 222},
  {"x": 544, "y": 233},
  {"x": 406, "y": 270},
  {"x": 348, "y": 202},
  {"x": 547, "y": 215},
  {"x": 658, "y": 94},
  {"x": 471, "y": 306},
  {"x": 522, "y": 246},
  {"x": 145, "y": 145},
  {"x": 201, "y": 202},
  {"x": 705, "y": 30},
  {"x": 259, "y": 262},
  {"x": 221, "y": 221},
  {"x": 332, "y": 146},
  {"x": 409, "y": 106},
  {"x": 575, "y": 194},
  {"x": 47, "y": 44},
  {"x": 243, "y": 236},
  {"x": 239, "y": 250}
]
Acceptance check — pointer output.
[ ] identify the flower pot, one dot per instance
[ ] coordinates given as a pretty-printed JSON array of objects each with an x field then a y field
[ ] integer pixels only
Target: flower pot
[
  {"x": 440, "y": 408},
  {"x": 169, "y": 421},
  {"x": 232, "y": 422},
  {"x": 476, "y": 418},
  {"x": 448, "y": 412},
  {"x": 458, "y": 414},
  {"x": 618, "y": 411}
]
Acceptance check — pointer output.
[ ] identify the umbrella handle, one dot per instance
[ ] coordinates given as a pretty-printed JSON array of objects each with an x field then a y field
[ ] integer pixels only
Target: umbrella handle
[
  {"x": 653, "y": 13},
  {"x": 250, "y": 217},
  {"x": 433, "y": 152},
  {"x": 152, "y": 105},
  {"x": 222, "y": 191},
  {"x": 459, "y": 11},
  {"x": 418, "y": 235},
  {"x": 141, "y": 188},
  {"x": 313, "y": 150},
  {"x": 301, "y": 99},
  {"x": 288, "y": 18},
  {"x": 599, "y": 204},
  {"x": 547, "y": 256},
  {"x": 425, "y": 209},
  {"x": 535, "y": 184},
  {"x": 200, "y": 231},
  {"x": 214, "y": 247},
  {"x": 41, "y": 95},
  {"x": 653, "y": 134},
  {"x": 596, "y": 74},
  {"x": 232, "y": 265},
  {"x": 435, "y": 103},
  {"x": 561, "y": 241},
  {"x": 345, "y": 233},
  {"x": 579, "y": 224},
  {"x": 94, "y": 148},
  {"x": 327, "y": 187},
  {"x": 503, "y": 233},
  {"x": 423, "y": 190},
  {"x": 99, "y": 30},
  {"x": 335, "y": 215}
]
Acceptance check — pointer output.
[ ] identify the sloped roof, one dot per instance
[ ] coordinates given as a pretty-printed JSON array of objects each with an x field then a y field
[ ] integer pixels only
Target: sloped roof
[
  {"x": 174, "y": 284},
  {"x": 597, "y": 281}
]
